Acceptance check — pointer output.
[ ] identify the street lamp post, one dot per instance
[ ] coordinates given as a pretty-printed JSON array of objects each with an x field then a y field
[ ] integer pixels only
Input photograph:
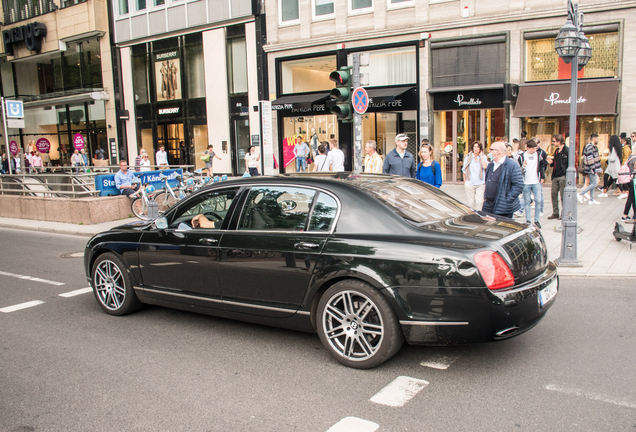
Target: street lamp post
[{"x": 573, "y": 47}]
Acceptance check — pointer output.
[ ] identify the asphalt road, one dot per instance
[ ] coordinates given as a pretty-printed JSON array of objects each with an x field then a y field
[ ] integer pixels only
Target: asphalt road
[{"x": 67, "y": 366}]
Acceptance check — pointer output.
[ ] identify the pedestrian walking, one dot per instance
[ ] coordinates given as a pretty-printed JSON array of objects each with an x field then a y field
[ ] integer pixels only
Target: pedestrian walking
[
  {"x": 559, "y": 163},
  {"x": 76, "y": 161},
  {"x": 631, "y": 201},
  {"x": 400, "y": 161},
  {"x": 372, "y": 161},
  {"x": 533, "y": 170},
  {"x": 592, "y": 167},
  {"x": 613, "y": 164},
  {"x": 161, "y": 158},
  {"x": 428, "y": 170},
  {"x": 251, "y": 161},
  {"x": 321, "y": 164},
  {"x": 474, "y": 169},
  {"x": 504, "y": 183},
  {"x": 208, "y": 157},
  {"x": 335, "y": 158},
  {"x": 36, "y": 161}
]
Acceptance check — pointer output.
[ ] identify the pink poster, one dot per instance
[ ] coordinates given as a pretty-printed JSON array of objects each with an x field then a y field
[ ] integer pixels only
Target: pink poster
[
  {"x": 288, "y": 149},
  {"x": 13, "y": 147},
  {"x": 43, "y": 145},
  {"x": 78, "y": 142}
]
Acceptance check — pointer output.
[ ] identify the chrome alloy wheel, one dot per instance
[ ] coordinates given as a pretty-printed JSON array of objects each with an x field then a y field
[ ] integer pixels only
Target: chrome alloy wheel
[
  {"x": 353, "y": 325},
  {"x": 109, "y": 285}
]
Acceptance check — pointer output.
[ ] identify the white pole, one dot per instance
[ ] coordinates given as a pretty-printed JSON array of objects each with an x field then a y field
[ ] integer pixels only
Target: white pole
[{"x": 6, "y": 134}]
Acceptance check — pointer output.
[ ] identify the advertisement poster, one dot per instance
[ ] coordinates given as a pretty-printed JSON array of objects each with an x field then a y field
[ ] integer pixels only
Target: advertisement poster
[
  {"x": 43, "y": 145},
  {"x": 78, "y": 142},
  {"x": 168, "y": 75},
  {"x": 13, "y": 147},
  {"x": 288, "y": 148}
]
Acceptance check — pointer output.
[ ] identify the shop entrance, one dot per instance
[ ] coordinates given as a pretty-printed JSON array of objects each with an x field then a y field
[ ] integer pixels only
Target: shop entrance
[
  {"x": 170, "y": 136},
  {"x": 240, "y": 144},
  {"x": 455, "y": 131}
]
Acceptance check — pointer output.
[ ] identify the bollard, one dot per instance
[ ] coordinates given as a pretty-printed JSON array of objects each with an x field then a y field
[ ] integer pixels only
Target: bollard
[{"x": 153, "y": 209}]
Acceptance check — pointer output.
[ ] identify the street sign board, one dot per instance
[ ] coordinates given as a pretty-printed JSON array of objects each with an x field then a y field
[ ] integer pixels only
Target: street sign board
[
  {"x": 360, "y": 100},
  {"x": 15, "y": 109}
]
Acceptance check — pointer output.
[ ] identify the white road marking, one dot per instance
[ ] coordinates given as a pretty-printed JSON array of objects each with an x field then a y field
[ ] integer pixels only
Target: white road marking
[
  {"x": 439, "y": 361},
  {"x": 399, "y": 392},
  {"x": 354, "y": 424},
  {"x": 592, "y": 396},
  {"x": 21, "y": 306},
  {"x": 76, "y": 292},
  {"x": 32, "y": 278}
]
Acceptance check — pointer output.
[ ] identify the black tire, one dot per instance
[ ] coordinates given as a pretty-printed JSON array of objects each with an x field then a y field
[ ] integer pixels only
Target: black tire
[
  {"x": 112, "y": 285},
  {"x": 139, "y": 207},
  {"x": 357, "y": 325},
  {"x": 164, "y": 201}
]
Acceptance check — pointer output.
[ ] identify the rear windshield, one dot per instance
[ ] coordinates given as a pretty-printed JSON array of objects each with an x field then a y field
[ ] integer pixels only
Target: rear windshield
[{"x": 417, "y": 202}]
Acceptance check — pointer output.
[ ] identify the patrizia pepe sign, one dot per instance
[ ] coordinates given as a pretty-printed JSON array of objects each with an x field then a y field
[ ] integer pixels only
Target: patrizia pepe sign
[{"x": 555, "y": 99}]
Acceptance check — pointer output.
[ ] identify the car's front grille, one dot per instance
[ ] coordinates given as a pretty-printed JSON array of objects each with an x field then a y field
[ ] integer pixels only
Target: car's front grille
[{"x": 528, "y": 255}]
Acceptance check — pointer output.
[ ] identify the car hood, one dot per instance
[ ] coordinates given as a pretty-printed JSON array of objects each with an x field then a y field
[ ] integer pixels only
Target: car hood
[{"x": 137, "y": 225}]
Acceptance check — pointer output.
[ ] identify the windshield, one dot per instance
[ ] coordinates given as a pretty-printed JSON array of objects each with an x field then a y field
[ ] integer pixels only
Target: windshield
[{"x": 417, "y": 202}]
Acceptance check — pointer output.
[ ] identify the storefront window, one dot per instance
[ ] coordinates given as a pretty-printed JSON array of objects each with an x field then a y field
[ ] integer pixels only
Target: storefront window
[
  {"x": 72, "y": 69},
  {"x": 311, "y": 129},
  {"x": 145, "y": 141},
  {"x": 92, "y": 64},
  {"x": 383, "y": 127},
  {"x": 198, "y": 144},
  {"x": 195, "y": 68},
  {"x": 307, "y": 75},
  {"x": 392, "y": 66},
  {"x": 140, "y": 78},
  {"x": 543, "y": 62}
]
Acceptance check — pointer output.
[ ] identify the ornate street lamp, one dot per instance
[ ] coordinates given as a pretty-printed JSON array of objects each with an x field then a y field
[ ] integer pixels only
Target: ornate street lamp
[{"x": 573, "y": 47}]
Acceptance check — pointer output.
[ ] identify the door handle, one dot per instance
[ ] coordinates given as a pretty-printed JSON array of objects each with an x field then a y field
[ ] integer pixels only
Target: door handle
[
  {"x": 306, "y": 245},
  {"x": 208, "y": 241}
]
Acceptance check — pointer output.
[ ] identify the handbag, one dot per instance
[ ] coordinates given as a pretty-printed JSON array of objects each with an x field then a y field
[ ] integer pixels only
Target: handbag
[
  {"x": 205, "y": 157},
  {"x": 624, "y": 175},
  {"x": 247, "y": 174}
]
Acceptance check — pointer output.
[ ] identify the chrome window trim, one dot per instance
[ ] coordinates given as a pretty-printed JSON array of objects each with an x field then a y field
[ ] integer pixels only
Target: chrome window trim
[
  {"x": 319, "y": 189},
  {"x": 432, "y": 323}
]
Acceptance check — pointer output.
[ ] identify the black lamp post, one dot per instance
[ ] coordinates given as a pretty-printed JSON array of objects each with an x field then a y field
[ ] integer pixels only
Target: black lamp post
[{"x": 573, "y": 47}]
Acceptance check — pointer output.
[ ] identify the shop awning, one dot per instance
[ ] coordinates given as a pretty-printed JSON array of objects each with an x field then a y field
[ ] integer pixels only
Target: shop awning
[
  {"x": 387, "y": 94},
  {"x": 299, "y": 101},
  {"x": 596, "y": 97}
]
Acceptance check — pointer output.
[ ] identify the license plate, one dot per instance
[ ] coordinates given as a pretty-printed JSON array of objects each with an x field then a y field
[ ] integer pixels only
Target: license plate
[{"x": 548, "y": 293}]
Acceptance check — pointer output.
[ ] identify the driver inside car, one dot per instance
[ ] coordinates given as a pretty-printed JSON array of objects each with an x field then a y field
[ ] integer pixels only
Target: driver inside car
[{"x": 200, "y": 221}]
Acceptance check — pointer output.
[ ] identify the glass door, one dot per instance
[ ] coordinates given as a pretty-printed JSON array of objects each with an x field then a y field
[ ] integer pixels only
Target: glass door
[
  {"x": 469, "y": 129},
  {"x": 170, "y": 136},
  {"x": 241, "y": 142}
]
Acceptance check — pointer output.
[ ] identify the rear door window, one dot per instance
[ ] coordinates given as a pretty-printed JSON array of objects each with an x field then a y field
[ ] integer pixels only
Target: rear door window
[{"x": 277, "y": 208}]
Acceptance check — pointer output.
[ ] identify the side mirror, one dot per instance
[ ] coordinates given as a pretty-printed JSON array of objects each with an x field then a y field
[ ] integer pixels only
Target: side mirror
[{"x": 161, "y": 223}]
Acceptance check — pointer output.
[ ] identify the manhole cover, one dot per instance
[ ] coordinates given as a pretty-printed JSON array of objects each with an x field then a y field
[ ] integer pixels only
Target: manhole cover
[{"x": 73, "y": 255}]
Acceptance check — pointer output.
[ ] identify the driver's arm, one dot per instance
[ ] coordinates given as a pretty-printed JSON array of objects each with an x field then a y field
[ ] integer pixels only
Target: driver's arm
[{"x": 200, "y": 221}]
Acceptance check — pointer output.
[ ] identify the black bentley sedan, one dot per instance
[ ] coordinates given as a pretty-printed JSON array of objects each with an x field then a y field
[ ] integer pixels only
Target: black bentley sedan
[{"x": 366, "y": 261}]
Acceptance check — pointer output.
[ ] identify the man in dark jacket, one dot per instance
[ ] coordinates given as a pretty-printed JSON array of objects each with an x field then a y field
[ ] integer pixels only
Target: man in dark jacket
[
  {"x": 399, "y": 161},
  {"x": 559, "y": 164},
  {"x": 504, "y": 183}
]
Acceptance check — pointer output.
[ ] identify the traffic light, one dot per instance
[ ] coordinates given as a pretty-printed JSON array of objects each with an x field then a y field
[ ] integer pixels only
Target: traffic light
[{"x": 342, "y": 95}]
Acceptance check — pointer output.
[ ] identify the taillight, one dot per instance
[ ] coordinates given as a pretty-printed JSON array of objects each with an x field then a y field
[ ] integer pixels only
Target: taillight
[{"x": 494, "y": 270}]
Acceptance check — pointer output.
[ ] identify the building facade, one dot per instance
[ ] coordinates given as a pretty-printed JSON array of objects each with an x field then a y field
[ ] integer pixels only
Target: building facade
[
  {"x": 190, "y": 77},
  {"x": 57, "y": 60},
  {"x": 450, "y": 71}
]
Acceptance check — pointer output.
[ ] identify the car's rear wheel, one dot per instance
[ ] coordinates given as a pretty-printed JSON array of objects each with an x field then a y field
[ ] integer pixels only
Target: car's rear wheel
[
  {"x": 357, "y": 325},
  {"x": 112, "y": 285}
]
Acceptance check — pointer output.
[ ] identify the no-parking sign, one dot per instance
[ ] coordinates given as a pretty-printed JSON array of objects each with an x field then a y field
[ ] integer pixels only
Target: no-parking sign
[{"x": 360, "y": 100}]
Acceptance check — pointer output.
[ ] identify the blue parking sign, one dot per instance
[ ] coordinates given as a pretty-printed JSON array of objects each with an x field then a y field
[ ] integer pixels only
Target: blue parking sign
[{"x": 15, "y": 109}]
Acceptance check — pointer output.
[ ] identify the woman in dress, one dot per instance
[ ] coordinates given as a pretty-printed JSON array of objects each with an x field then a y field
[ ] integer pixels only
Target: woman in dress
[
  {"x": 614, "y": 162},
  {"x": 208, "y": 163}
]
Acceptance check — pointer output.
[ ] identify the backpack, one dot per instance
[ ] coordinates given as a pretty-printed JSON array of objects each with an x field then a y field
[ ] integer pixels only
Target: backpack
[{"x": 624, "y": 175}]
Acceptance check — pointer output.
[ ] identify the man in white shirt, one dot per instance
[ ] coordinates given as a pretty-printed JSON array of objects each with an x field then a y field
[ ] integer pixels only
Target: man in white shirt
[
  {"x": 533, "y": 176},
  {"x": 161, "y": 157},
  {"x": 335, "y": 158}
]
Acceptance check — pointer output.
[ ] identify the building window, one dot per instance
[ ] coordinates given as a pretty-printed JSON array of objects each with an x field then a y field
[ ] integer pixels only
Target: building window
[
  {"x": 360, "y": 6},
  {"x": 195, "y": 69},
  {"x": 392, "y": 66},
  {"x": 394, "y": 4},
  {"x": 141, "y": 5},
  {"x": 140, "y": 75},
  {"x": 237, "y": 60},
  {"x": 160, "y": 2},
  {"x": 543, "y": 63},
  {"x": 465, "y": 64},
  {"x": 123, "y": 7},
  {"x": 18, "y": 10},
  {"x": 307, "y": 75},
  {"x": 324, "y": 9},
  {"x": 288, "y": 12}
]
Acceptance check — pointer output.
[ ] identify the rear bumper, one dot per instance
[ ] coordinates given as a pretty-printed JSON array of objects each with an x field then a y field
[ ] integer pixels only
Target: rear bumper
[{"x": 449, "y": 316}]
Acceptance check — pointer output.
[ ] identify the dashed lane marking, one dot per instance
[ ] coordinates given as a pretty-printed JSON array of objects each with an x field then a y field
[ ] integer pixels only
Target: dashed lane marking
[
  {"x": 30, "y": 278},
  {"x": 592, "y": 396},
  {"x": 399, "y": 392},
  {"x": 439, "y": 361},
  {"x": 21, "y": 306},
  {"x": 76, "y": 292},
  {"x": 354, "y": 424}
]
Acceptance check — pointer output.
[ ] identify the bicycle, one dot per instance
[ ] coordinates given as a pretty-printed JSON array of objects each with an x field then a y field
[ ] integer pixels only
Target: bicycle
[
  {"x": 139, "y": 205},
  {"x": 168, "y": 197}
]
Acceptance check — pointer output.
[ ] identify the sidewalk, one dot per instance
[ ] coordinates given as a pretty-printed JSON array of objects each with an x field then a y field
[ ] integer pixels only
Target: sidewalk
[{"x": 599, "y": 253}]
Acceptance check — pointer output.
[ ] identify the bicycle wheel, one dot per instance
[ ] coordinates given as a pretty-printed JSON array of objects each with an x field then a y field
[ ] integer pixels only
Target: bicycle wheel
[
  {"x": 139, "y": 208},
  {"x": 165, "y": 200}
]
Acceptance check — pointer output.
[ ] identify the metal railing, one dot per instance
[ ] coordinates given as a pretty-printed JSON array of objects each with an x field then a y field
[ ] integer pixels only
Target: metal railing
[{"x": 62, "y": 183}]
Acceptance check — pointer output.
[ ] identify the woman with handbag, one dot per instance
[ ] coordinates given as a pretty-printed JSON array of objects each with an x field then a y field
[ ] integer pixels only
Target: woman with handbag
[
  {"x": 613, "y": 164},
  {"x": 251, "y": 161},
  {"x": 207, "y": 157}
]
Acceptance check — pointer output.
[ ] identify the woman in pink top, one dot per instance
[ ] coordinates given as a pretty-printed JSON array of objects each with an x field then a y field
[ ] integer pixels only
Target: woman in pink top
[{"x": 36, "y": 162}]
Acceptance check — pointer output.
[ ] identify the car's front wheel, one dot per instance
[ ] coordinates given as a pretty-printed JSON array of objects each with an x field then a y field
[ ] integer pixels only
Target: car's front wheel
[
  {"x": 112, "y": 285},
  {"x": 357, "y": 325}
]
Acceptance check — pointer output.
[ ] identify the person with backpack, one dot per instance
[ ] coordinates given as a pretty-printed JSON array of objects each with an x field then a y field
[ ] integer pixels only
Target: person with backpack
[
  {"x": 428, "y": 170},
  {"x": 631, "y": 202},
  {"x": 474, "y": 169}
]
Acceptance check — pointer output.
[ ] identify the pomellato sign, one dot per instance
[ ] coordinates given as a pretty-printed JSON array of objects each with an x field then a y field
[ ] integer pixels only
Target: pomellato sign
[
  {"x": 555, "y": 99},
  {"x": 469, "y": 99},
  {"x": 31, "y": 34},
  {"x": 471, "y": 102}
]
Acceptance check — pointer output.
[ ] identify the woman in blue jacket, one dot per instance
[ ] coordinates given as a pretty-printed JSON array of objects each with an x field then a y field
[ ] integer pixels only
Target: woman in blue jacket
[{"x": 428, "y": 170}]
